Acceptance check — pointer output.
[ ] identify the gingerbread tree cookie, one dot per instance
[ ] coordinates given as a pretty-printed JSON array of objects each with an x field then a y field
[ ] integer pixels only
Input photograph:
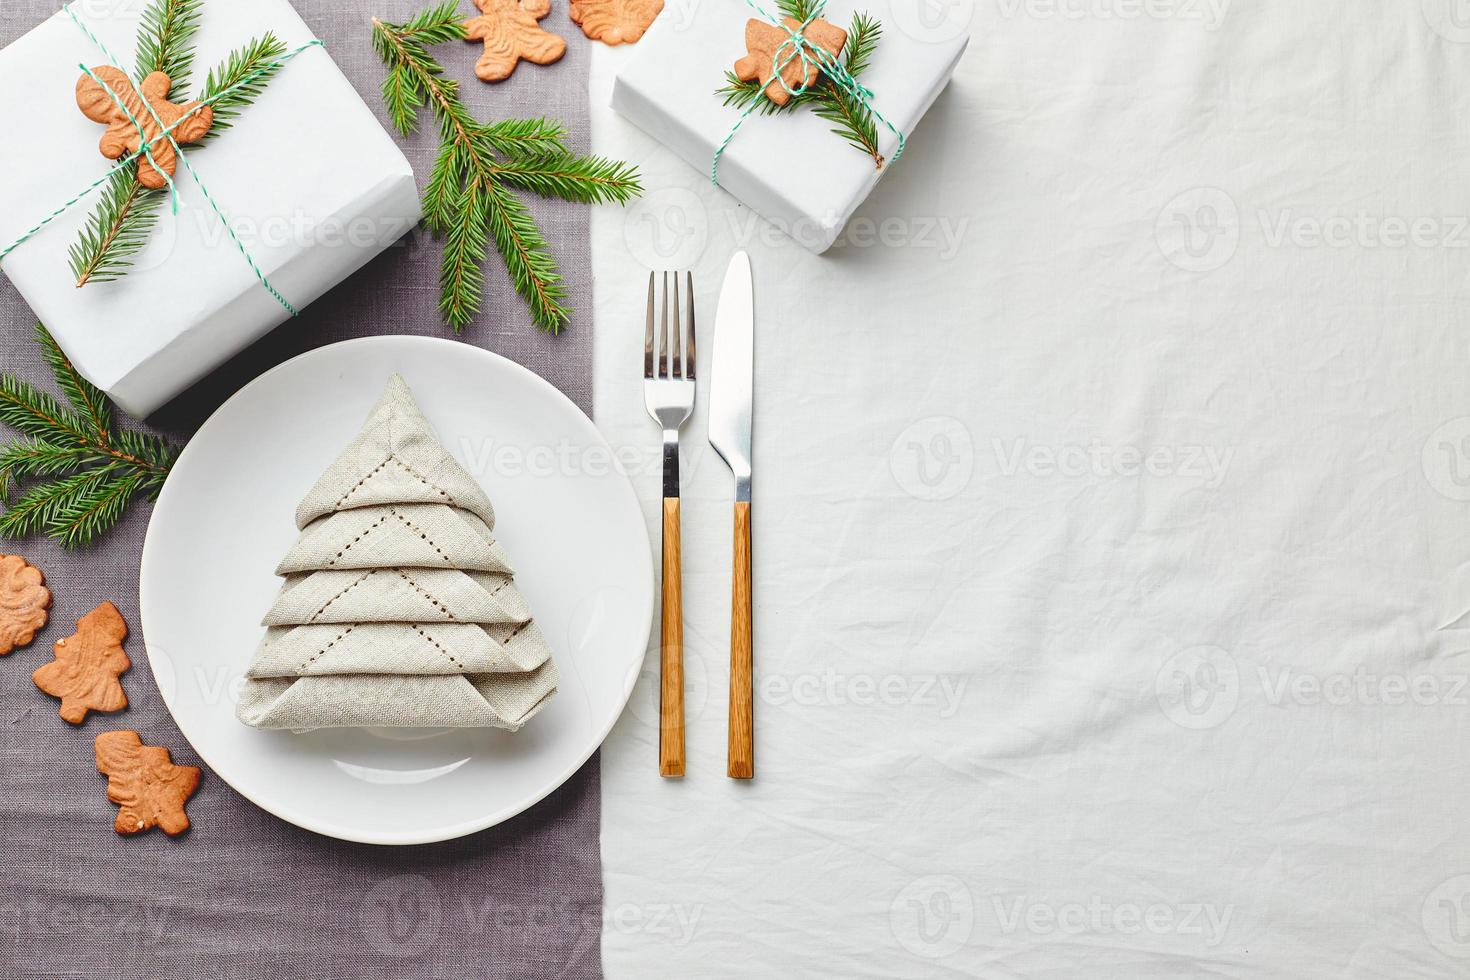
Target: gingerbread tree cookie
[
  {"x": 511, "y": 33},
  {"x": 87, "y": 666},
  {"x": 614, "y": 21},
  {"x": 762, "y": 41},
  {"x": 24, "y": 600},
  {"x": 123, "y": 138},
  {"x": 142, "y": 779}
]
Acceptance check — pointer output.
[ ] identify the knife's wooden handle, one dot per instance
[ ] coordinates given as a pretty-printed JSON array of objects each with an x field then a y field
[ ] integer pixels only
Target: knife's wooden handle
[
  {"x": 742, "y": 713},
  {"x": 671, "y": 651}
]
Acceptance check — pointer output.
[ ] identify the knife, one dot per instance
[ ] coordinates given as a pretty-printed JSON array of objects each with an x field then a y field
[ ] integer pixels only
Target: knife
[{"x": 731, "y": 393}]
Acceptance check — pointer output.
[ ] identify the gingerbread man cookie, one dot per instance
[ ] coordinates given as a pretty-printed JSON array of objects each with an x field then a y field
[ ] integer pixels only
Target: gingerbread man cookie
[
  {"x": 122, "y": 137},
  {"x": 24, "y": 600},
  {"x": 762, "y": 41},
  {"x": 510, "y": 31},
  {"x": 87, "y": 666},
  {"x": 142, "y": 779},
  {"x": 614, "y": 21}
]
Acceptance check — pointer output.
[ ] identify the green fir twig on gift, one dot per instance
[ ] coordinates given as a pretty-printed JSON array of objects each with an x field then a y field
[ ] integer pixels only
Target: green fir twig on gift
[
  {"x": 850, "y": 119},
  {"x": 81, "y": 469},
  {"x": 469, "y": 199},
  {"x": 127, "y": 212}
]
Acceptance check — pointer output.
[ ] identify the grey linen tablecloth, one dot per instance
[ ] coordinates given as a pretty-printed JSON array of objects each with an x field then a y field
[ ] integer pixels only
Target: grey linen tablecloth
[{"x": 244, "y": 894}]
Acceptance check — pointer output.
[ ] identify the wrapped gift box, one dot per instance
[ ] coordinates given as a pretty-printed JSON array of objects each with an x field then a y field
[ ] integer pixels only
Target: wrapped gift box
[
  {"x": 790, "y": 168},
  {"x": 312, "y": 183}
]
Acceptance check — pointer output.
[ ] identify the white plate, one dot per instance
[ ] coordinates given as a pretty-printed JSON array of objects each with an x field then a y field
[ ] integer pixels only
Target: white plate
[{"x": 566, "y": 515}]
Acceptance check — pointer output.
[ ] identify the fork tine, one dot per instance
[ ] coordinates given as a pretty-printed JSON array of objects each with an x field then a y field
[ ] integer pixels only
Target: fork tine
[
  {"x": 648, "y": 334},
  {"x": 689, "y": 346},
  {"x": 676, "y": 355},
  {"x": 663, "y": 331}
]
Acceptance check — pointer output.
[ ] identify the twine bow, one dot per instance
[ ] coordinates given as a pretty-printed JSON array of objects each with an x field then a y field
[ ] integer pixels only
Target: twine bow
[
  {"x": 796, "y": 47},
  {"x": 165, "y": 133}
]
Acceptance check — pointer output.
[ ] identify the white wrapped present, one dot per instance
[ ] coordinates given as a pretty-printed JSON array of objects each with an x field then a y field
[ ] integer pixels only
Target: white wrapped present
[
  {"x": 790, "y": 168},
  {"x": 309, "y": 181}
]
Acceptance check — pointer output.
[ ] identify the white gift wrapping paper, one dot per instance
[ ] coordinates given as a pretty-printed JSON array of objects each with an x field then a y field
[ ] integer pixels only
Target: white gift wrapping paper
[
  {"x": 790, "y": 168},
  {"x": 307, "y": 176}
]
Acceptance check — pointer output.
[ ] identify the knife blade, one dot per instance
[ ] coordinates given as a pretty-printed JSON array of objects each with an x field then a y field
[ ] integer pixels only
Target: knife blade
[
  {"x": 731, "y": 396},
  {"x": 732, "y": 386}
]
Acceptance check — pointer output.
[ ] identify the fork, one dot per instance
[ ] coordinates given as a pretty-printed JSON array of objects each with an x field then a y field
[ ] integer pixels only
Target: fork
[{"x": 668, "y": 392}]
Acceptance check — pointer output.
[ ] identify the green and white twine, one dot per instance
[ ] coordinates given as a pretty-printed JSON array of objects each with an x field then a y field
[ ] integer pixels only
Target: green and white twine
[
  {"x": 145, "y": 149},
  {"x": 797, "y": 48}
]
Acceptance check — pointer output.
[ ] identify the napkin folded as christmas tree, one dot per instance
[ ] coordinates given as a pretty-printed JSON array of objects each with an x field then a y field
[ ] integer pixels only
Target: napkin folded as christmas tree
[{"x": 399, "y": 608}]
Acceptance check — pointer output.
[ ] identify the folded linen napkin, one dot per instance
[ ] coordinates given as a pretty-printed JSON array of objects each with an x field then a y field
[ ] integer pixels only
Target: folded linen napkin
[
  {"x": 399, "y": 608},
  {"x": 412, "y": 535}
]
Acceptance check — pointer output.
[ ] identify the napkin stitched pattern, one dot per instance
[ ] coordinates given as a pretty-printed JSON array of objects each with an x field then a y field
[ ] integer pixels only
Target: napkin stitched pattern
[{"x": 399, "y": 607}]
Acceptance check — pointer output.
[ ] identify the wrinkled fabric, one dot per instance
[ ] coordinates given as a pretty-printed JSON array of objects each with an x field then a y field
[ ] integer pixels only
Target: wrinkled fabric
[{"x": 1111, "y": 514}]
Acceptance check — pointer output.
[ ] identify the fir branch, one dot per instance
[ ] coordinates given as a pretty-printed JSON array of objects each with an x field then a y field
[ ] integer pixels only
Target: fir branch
[
  {"x": 590, "y": 180},
  {"x": 525, "y": 137},
  {"x": 86, "y": 399},
  {"x": 461, "y": 279},
  {"x": 116, "y": 230},
  {"x": 742, "y": 94},
  {"x": 468, "y": 197},
  {"x": 89, "y": 468},
  {"x": 527, "y": 256},
  {"x": 851, "y": 120},
  {"x": 36, "y": 413},
  {"x": 39, "y": 506},
  {"x": 413, "y": 75},
  {"x": 29, "y": 458},
  {"x": 164, "y": 42},
  {"x": 80, "y": 516},
  {"x": 799, "y": 10},
  {"x": 863, "y": 35},
  {"x": 260, "y": 56},
  {"x": 443, "y": 193}
]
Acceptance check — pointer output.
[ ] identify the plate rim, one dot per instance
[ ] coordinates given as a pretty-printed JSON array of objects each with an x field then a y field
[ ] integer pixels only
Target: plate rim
[{"x": 453, "y": 831}]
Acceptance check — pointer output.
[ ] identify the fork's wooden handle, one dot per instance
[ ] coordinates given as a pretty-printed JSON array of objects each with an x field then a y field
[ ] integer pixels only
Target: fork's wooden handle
[
  {"x": 742, "y": 713},
  {"x": 671, "y": 651}
]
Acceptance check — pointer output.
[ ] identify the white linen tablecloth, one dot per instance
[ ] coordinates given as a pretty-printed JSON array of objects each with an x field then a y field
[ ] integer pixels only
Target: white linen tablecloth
[{"x": 1111, "y": 514}]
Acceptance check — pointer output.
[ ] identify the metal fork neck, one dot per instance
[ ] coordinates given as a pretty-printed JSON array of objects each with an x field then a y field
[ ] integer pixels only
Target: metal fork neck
[{"x": 671, "y": 463}]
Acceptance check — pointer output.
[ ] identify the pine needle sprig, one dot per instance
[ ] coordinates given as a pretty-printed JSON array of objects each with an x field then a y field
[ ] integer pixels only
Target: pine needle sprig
[
  {"x": 413, "y": 75},
  {"x": 164, "y": 39},
  {"x": 798, "y": 10},
  {"x": 116, "y": 230},
  {"x": 590, "y": 180},
  {"x": 851, "y": 120},
  {"x": 468, "y": 199},
  {"x": 525, "y": 137},
  {"x": 863, "y": 36},
  {"x": 86, "y": 400},
  {"x": 37, "y": 414},
  {"x": 461, "y": 275},
  {"x": 527, "y": 256},
  {"x": 87, "y": 469},
  {"x": 240, "y": 69}
]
